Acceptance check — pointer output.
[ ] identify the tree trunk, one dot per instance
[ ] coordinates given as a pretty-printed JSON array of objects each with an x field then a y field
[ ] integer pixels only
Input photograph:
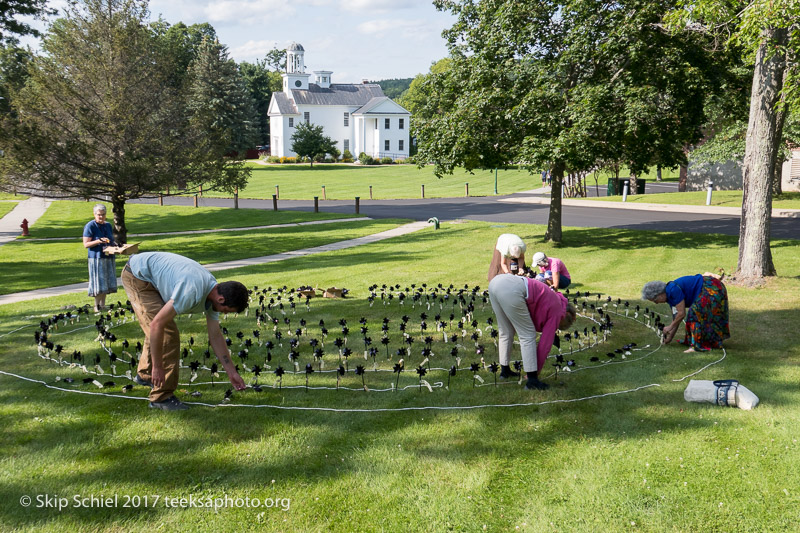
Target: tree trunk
[
  {"x": 761, "y": 155},
  {"x": 553, "y": 233},
  {"x": 118, "y": 208},
  {"x": 658, "y": 173},
  {"x": 777, "y": 173},
  {"x": 683, "y": 173}
]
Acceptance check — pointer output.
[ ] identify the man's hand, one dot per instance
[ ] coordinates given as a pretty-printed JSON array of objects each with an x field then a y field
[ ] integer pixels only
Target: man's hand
[
  {"x": 157, "y": 376},
  {"x": 217, "y": 342},
  {"x": 236, "y": 380}
]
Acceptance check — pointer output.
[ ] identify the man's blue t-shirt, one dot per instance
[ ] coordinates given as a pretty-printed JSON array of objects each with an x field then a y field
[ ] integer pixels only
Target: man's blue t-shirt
[
  {"x": 684, "y": 289},
  {"x": 176, "y": 278}
]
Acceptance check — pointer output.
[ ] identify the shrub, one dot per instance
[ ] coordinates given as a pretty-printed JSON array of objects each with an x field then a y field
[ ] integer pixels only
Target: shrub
[
  {"x": 263, "y": 154},
  {"x": 364, "y": 159},
  {"x": 319, "y": 158},
  {"x": 386, "y": 161},
  {"x": 273, "y": 159},
  {"x": 288, "y": 160},
  {"x": 347, "y": 155},
  {"x": 347, "y": 160}
]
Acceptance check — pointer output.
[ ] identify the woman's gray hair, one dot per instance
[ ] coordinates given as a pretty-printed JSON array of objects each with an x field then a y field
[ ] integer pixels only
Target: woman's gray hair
[
  {"x": 99, "y": 207},
  {"x": 652, "y": 289},
  {"x": 515, "y": 251}
]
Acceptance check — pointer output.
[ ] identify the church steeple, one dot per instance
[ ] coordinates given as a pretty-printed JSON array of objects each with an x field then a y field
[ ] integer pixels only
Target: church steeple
[
  {"x": 295, "y": 76},
  {"x": 294, "y": 59}
]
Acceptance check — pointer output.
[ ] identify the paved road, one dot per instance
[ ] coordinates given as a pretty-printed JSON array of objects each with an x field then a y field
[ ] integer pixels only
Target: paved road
[{"x": 491, "y": 209}]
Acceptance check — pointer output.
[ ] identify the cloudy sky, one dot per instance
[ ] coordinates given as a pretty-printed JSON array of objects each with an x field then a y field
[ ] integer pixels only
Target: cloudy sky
[{"x": 373, "y": 39}]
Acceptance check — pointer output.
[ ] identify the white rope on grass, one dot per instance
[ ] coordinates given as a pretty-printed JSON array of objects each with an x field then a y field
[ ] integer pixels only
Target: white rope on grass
[
  {"x": 609, "y": 363},
  {"x": 420, "y": 408},
  {"x": 724, "y": 354},
  {"x": 15, "y": 330},
  {"x": 71, "y": 390},
  {"x": 336, "y": 410}
]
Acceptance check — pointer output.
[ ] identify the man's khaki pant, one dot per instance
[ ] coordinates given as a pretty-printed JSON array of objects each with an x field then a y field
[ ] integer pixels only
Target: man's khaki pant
[{"x": 147, "y": 302}]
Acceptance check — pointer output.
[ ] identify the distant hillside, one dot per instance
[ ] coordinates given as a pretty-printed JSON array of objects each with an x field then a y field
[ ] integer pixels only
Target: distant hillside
[{"x": 394, "y": 88}]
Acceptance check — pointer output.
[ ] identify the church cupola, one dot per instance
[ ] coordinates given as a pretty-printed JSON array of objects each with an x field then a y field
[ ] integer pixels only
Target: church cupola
[
  {"x": 323, "y": 78},
  {"x": 294, "y": 58},
  {"x": 295, "y": 76}
]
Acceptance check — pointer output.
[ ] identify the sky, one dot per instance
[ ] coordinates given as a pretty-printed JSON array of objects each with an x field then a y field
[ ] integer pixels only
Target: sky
[{"x": 356, "y": 39}]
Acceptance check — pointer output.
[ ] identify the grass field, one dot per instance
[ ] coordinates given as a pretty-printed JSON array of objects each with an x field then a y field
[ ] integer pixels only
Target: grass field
[
  {"x": 66, "y": 219},
  {"x": 644, "y": 460},
  {"x": 12, "y": 196},
  {"x": 789, "y": 200},
  {"x": 6, "y": 206},
  {"x": 27, "y": 264},
  {"x": 344, "y": 182}
]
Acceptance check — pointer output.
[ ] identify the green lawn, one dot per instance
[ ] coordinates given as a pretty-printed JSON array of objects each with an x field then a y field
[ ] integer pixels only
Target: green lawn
[
  {"x": 66, "y": 219},
  {"x": 12, "y": 196},
  {"x": 344, "y": 182},
  {"x": 645, "y": 461},
  {"x": 789, "y": 200},
  {"x": 26, "y": 265},
  {"x": 6, "y": 206}
]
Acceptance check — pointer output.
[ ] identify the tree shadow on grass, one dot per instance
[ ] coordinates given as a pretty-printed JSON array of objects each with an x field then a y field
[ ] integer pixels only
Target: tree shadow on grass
[
  {"x": 634, "y": 239},
  {"x": 301, "y": 449}
]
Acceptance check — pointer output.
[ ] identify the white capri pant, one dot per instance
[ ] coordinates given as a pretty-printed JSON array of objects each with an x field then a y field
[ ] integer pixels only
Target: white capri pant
[{"x": 508, "y": 294}]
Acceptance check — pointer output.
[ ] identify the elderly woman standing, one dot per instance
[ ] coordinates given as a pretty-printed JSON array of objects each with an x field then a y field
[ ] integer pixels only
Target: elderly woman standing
[
  {"x": 702, "y": 300},
  {"x": 508, "y": 256},
  {"x": 97, "y": 234},
  {"x": 525, "y": 306}
]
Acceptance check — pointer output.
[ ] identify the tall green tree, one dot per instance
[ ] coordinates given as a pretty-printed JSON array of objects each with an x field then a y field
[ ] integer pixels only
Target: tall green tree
[
  {"x": 223, "y": 112},
  {"x": 14, "y": 63},
  {"x": 100, "y": 116},
  {"x": 561, "y": 85},
  {"x": 276, "y": 59},
  {"x": 181, "y": 43},
  {"x": 769, "y": 33},
  {"x": 10, "y": 26},
  {"x": 308, "y": 140},
  {"x": 414, "y": 98},
  {"x": 261, "y": 83}
]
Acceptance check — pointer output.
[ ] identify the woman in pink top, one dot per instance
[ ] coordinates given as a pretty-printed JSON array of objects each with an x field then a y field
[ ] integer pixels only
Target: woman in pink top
[
  {"x": 552, "y": 271},
  {"x": 525, "y": 306}
]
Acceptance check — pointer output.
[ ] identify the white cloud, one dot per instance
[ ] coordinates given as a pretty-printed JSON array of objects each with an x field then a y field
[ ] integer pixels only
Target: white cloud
[
  {"x": 381, "y": 5},
  {"x": 247, "y": 11},
  {"x": 252, "y": 50},
  {"x": 407, "y": 28}
]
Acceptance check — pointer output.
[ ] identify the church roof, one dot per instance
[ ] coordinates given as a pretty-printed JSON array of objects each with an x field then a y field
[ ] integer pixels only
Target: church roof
[
  {"x": 338, "y": 94},
  {"x": 381, "y": 105},
  {"x": 296, "y": 46},
  {"x": 285, "y": 106}
]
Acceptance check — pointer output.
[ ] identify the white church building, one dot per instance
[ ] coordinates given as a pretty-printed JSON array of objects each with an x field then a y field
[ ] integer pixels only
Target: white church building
[{"x": 357, "y": 115}]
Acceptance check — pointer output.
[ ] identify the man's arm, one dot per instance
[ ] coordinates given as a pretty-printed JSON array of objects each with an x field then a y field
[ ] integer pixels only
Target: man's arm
[
  {"x": 217, "y": 342},
  {"x": 157, "y": 326}
]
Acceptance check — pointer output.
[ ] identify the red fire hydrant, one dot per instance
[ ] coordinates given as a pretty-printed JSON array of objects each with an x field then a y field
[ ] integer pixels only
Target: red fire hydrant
[{"x": 24, "y": 227}]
